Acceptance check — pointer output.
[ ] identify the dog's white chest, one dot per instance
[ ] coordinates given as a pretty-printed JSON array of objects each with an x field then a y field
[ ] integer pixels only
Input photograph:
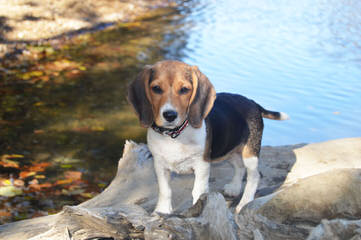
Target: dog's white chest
[{"x": 179, "y": 154}]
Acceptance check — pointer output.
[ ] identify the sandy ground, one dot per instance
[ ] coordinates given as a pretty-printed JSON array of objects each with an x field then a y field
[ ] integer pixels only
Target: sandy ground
[{"x": 33, "y": 20}]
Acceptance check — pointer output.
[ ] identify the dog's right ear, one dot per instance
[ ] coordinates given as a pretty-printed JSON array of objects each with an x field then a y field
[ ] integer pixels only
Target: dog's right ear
[{"x": 137, "y": 96}]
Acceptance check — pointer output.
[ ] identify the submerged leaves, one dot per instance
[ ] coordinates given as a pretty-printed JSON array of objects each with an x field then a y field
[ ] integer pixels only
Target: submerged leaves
[
  {"x": 66, "y": 99},
  {"x": 26, "y": 186},
  {"x": 6, "y": 161}
]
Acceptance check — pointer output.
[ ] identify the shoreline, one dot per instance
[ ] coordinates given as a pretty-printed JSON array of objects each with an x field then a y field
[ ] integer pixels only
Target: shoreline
[{"x": 25, "y": 22}]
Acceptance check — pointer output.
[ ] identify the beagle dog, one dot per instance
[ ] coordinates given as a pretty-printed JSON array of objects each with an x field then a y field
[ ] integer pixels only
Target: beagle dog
[{"x": 190, "y": 126}]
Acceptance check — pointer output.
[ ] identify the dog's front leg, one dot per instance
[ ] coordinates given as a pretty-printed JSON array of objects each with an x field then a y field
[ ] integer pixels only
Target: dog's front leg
[
  {"x": 201, "y": 173},
  {"x": 164, "y": 204}
]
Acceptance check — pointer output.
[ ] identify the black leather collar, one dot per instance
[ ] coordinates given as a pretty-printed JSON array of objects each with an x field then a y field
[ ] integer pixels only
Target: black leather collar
[{"x": 173, "y": 133}]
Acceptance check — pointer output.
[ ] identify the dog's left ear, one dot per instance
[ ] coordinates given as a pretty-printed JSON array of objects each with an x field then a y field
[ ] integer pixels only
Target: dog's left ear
[
  {"x": 137, "y": 96},
  {"x": 202, "y": 98}
]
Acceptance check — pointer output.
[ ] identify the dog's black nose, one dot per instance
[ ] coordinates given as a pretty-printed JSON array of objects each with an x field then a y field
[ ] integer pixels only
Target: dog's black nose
[{"x": 170, "y": 115}]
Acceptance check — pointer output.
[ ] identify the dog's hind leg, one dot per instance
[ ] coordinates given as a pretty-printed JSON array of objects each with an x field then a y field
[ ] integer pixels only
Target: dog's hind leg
[
  {"x": 253, "y": 178},
  {"x": 250, "y": 154},
  {"x": 233, "y": 188}
]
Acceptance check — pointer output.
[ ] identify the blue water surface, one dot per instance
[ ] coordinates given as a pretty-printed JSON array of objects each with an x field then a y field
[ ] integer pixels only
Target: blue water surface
[{"x": 300, "y": 57}]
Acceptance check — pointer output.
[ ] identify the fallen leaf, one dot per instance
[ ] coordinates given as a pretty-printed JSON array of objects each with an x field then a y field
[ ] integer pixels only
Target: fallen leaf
[
  {"x": 83, "y": 68},
  {"x": 19, "y": 183},
  {"x": 63, "y": 181},
  {"x": 7, "y": 156},
  {"x": 66, "y": 166},
  {"x": 38, "y": 104},
  {"x": 6, "y": 182},
  {"x": 39, "y": 167},
  {"x": 38, "y": 187},
  {"x": 10, "y": 191},
  {"x": 9, "y": 163},
  {"x": 28, "y": 75},
  {"x": 74, "y": 175},
  {"x": 4, "y": 213},
  {"x": 88, "y": 195},
  {"x": 39, "y": 176},
  {"x": 45, "y": 185},
  {"x": 6, "y": 162},
  {"x": 34, "y": 184},
  {"x": 25, "y": 174}
]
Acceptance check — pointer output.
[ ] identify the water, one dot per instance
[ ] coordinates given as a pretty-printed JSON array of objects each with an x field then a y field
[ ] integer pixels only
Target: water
[{"x": 299, "y": 57}]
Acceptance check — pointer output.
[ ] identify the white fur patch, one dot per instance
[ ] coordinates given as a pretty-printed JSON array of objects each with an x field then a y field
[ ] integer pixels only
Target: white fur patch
[
  {"x": 178, "y": 154},
  {"x": 183, "y": 154}
]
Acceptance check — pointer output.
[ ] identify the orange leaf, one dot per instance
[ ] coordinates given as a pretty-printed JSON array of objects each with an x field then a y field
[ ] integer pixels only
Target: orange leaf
[
  {"x": 6, "y": 162},
  {"x": 35, "y": 187},
  {"x": 45, "y": 185},
  {"x": 39, "y": 131},
  {"x": 25, "y": 174},
  {"x": 64, "y": 181},
  {"x": 5, "y": 213},
  {"x": 39, "y": 167},
  {"x": 34, "y": 184},
  {"x": 74, "y": 175},
  {"x": 19, "y": 183}
]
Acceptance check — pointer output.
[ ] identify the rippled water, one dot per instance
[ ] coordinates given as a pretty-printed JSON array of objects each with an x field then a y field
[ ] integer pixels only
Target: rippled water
[{"x": 301, "y": 57}]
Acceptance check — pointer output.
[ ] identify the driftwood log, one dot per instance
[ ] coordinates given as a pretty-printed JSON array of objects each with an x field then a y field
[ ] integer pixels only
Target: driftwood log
[{"x": 291, "y": 174}]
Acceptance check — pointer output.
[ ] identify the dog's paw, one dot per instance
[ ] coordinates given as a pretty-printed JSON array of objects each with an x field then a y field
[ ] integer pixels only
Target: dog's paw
[
  {"x": 241, "y": 205},
  {"x": 232, "y": 190},
  {"x": 163, "y": 209}
]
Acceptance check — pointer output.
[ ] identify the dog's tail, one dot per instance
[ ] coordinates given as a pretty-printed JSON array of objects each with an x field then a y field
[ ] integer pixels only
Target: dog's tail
[{"x": 273, "y": 115}]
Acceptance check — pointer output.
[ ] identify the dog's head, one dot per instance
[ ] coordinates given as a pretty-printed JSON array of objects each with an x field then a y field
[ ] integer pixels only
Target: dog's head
[{"x": 169, "y": 92}]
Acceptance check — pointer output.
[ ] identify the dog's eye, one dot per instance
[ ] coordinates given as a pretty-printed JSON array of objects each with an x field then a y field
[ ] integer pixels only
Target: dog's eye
[
  {"x": 184, "y": 90},
  {"x": 156, "y": 89}
]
